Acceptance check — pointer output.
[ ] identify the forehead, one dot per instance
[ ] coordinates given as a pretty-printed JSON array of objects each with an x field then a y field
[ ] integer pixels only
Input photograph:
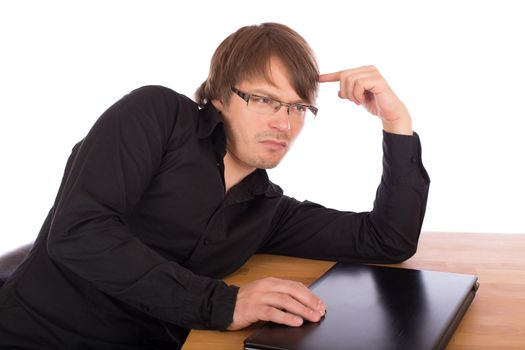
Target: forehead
[{"x": 275, "y": 83}]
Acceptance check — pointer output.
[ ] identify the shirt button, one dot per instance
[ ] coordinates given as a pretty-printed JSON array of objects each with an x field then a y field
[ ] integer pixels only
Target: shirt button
[
  {"x": 206, "y": 242},
  {"x": 413, "y": 160},
  {"x": 218, "y": 164}
]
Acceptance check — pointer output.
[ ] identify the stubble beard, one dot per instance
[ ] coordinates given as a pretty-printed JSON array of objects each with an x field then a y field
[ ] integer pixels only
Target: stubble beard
[{"x": 255, "y": 160}]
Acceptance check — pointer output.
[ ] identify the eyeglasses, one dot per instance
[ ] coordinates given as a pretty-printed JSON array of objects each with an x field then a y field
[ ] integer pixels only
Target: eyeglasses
[{"x": 267, "y": 105}]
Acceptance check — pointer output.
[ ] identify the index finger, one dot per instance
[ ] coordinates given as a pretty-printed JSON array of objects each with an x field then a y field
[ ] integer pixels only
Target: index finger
[
  {"x": 329, "y": 77},
  {"x": 301, "y": 293}
]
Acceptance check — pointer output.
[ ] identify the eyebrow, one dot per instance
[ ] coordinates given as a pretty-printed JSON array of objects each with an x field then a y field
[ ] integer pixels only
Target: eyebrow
[{"x": 265, "y": 93}]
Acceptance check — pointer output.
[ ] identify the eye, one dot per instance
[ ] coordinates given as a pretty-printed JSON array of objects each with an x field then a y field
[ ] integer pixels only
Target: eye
[
  {"x": 261, "y": 99},
  {"x": 300, "y": 108}
]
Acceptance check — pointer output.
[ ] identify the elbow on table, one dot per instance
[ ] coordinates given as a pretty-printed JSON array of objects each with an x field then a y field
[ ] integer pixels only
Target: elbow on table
[
  {"x": 403, "y": 255},
  {"x": 395, "y": 239},
  {"x": 398, "y": 251}
]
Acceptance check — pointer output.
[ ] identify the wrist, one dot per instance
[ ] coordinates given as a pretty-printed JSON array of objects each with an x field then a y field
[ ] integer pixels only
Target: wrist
[{"x": 401, "y": 126}]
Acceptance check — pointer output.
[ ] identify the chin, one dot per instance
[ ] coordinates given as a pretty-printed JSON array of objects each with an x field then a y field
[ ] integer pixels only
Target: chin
[
  {"x": 271, "y": 166},
  {"x": 267, "y": 163}
]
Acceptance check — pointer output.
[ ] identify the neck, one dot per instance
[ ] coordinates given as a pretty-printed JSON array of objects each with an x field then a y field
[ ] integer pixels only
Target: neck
[{"x": 234, "y": 171}]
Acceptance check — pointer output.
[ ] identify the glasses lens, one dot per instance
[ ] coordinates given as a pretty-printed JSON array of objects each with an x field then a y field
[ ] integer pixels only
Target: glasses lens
[
  {"x": 267, "y": 105},
  {"x": 262, "y": 104}
]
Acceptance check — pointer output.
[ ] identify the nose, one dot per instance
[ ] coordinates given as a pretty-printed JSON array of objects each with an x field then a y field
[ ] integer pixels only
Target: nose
[{"x": 281, "y": 119}]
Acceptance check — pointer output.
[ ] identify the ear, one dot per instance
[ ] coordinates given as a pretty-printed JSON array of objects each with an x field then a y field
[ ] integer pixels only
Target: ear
[{"x": 218, "y": 104}]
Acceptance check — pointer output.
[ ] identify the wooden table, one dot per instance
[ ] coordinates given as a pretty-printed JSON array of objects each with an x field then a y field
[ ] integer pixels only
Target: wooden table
[{"x": 495, "y": 320}]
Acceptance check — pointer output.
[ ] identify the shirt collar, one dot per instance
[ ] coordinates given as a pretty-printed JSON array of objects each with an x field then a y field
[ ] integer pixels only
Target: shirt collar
[
  {"x": 209, "y": 118},
  {"x": 255, "y": 184},
  {"x": 261, "y": 184}
]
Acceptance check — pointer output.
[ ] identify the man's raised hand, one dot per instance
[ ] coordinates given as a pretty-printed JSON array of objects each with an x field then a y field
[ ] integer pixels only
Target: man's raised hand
[{"x": 366, "y": 86}]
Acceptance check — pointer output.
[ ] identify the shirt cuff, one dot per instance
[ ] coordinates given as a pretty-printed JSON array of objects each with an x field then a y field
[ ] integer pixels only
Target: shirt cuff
[
  {"x": 224, "y": 301},
  {"x": 402, "y": 162},
  {"x": 209, "y": 304}
]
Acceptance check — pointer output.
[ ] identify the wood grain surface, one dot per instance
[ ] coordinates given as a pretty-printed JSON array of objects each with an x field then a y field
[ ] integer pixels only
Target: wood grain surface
[{"x": 495, "y": 320}]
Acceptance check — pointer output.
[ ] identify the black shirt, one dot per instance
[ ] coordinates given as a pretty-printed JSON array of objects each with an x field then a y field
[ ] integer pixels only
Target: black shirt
[{"x": 141, "y": 232}]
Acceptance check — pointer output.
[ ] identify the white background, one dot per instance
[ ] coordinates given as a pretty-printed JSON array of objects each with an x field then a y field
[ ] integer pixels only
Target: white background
[{"x": 457, "y": 65}]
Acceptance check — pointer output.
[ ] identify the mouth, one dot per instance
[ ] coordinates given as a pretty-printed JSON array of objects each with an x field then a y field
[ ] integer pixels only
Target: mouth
[{"x": 275, "y": 145}]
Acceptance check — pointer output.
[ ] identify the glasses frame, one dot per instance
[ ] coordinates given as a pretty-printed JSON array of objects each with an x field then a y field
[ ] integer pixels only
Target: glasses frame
[{"x": 246, "y": 97}]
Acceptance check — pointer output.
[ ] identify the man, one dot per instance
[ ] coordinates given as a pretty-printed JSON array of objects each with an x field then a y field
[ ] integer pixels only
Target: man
[{"x": 165, "y": 196}]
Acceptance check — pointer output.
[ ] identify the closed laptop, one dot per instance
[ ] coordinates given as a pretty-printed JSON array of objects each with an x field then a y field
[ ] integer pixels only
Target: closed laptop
[{"x": 375, "y": 307}]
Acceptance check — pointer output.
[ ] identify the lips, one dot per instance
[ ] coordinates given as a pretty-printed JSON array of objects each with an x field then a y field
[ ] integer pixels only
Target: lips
[{"x": 274, "y": 144}]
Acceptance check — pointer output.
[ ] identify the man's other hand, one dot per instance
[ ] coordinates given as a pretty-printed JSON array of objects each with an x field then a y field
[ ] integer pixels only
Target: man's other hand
[{"x": 277, "y": 300}]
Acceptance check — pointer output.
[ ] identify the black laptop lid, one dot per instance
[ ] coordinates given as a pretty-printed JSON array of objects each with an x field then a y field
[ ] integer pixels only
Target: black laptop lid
[{"x": 372, "y": 307}]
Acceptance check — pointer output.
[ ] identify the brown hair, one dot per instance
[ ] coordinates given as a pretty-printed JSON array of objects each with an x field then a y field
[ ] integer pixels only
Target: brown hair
[{"x": 246, "y": 54}]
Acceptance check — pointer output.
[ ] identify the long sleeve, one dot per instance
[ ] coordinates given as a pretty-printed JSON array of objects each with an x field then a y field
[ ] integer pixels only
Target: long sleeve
[
  {"x": 388, "y": 233},
  {"x": 104, "y": 180}
]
